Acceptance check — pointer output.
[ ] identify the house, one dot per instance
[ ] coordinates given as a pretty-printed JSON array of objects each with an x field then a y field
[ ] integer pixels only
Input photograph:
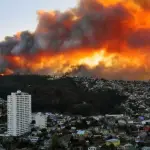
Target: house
[
  {"x": 81, "y": 132},
  {"x": 2, "y": 101},
  {"x": 92, "y": 148},
  {"x": 61, "y": 121},
  {"x": 33, "y": 139},
  {"x": 146, "y": 148},
  {"x": 78, "y": 148},
  {"x": 128, "y": 146},
  {"x": 114, "y": 116},
  {"x": 40, "y": 120},
  {"x": 115, "y": 142},
  {"x": 47, "y": 143},
  {"x": 146, "y": 122},
  {"x": 96, "y": 129}
]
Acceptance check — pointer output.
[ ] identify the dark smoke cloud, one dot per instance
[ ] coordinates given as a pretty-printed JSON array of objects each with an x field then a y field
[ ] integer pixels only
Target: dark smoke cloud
[
  {"x": 96, "y": 27},
  {"x": 7, "y": 45},
  {"x": 25, "y": 45},
  {"x": 3, "y": 64},
  {"x": 140, "y": 39},
  {"x": 109, "y": 73},
  {"x": 145, "y": 4}
]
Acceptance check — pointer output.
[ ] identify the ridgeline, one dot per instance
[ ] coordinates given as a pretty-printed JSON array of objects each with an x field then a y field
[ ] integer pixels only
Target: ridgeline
[{"x": 65, "y": 94}]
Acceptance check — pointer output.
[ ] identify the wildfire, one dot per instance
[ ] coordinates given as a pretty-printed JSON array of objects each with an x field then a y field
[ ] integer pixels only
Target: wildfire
[
  {"x": 18, "y": 34},
  {"x": 109, "y": 38},
  {"x": 90, "y": 59},
  {"x": 7, "y": 72}
]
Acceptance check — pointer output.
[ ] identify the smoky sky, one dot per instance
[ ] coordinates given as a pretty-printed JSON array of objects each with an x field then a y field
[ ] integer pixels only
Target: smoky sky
[{"x": 95, "y": 26}]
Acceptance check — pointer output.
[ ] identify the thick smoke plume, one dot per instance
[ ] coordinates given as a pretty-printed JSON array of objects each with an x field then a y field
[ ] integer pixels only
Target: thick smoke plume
[{"x": 102, "y": 38}]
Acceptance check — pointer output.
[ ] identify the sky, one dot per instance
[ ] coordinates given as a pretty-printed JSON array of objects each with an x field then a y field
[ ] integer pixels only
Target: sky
[{"x": 20, "y": 15}]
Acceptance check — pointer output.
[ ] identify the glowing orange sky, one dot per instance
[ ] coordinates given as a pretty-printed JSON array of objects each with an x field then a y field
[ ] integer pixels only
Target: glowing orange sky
[{"x": 120, "y": 51}]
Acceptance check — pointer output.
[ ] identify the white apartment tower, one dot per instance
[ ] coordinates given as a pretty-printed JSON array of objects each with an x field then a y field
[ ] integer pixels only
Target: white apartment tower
[{"x": 19, "y": 115}]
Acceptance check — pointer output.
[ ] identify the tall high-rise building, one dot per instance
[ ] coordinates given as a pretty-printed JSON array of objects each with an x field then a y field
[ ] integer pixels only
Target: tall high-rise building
[{"x": 19, "y": 115}]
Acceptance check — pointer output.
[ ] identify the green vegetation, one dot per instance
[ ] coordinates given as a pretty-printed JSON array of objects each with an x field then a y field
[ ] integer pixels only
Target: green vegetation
[{"x": 55, "y": 142}]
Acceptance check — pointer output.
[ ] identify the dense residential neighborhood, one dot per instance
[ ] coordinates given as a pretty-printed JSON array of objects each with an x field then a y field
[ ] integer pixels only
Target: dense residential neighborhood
[
  {"x": 115, "y": 131},
  {"x": 127, "y": 129},
  {"x": 77, "y": 77},
  {"x": 137, "y": 92}
]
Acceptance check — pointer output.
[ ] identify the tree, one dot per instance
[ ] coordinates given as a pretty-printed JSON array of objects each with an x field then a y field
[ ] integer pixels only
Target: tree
[
  {"x": 104, "y": 147},
  {"x": 44, "y": 132},
  {"x": 83, "y": 109},
  {"x": 112, "y": 147},
  {"x": 33, "y": 122},
  {"x": 55, "y": 142},
  {"x": 7, "y": 142}
]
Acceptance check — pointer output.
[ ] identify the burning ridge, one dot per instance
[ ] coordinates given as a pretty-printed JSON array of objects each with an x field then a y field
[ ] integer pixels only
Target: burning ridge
[{"x": 108, "y": 39}]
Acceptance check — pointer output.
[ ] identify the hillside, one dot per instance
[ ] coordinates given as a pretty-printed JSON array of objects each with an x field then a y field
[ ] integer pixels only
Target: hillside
[{"x": 64, "y": 94}]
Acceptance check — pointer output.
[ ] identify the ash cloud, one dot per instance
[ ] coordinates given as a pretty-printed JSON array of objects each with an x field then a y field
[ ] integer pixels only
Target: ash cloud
[
  {"x": 7, "y": 45},
  {"x": 3, "y": 64},
  {"x": 96, "y": 26},
  {"x": 93, "y": 26},
  {"x": 145, "y": 4},
  {"x": 25, "y": 45},
  {"x": 108, "y": 73},
  {"x": 140, "y": 39}
]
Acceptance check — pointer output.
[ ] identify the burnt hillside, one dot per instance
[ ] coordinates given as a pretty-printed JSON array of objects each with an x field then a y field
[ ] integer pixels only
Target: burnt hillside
[{"x": 63, "y": 94}]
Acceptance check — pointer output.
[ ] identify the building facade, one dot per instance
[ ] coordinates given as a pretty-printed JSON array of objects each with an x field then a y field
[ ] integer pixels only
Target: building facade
[
  {"x": 19, "y": 115},
  {"x": 40, "y": 120}
]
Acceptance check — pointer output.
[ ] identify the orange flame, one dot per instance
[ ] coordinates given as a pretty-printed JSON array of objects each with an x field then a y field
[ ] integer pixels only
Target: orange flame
[
  {"x": 64, "y": 62},
  {"x": 18, "y": 35},
  {"x": 114, "y": 56}
]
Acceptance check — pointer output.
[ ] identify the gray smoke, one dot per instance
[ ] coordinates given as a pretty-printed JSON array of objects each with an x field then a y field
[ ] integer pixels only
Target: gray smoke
[
  {"x": 96, "y": 26},
  {"x": 3, "y": 64},
  {"x": 25, "y": 45}
]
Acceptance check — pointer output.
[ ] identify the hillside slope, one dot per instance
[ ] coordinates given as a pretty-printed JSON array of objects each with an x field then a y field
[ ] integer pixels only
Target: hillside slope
[{"x": 64, "y": 94}]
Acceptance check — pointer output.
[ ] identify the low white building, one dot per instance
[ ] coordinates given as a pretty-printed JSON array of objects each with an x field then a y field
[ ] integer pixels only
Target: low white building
[
  {"x": 114, "y": 115},
  {"x": 145, "y": 121},
  {"x": 40, "y": 120},
  {"x": 33, "y": 139},
  {"x": 92, "y": 148}
]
